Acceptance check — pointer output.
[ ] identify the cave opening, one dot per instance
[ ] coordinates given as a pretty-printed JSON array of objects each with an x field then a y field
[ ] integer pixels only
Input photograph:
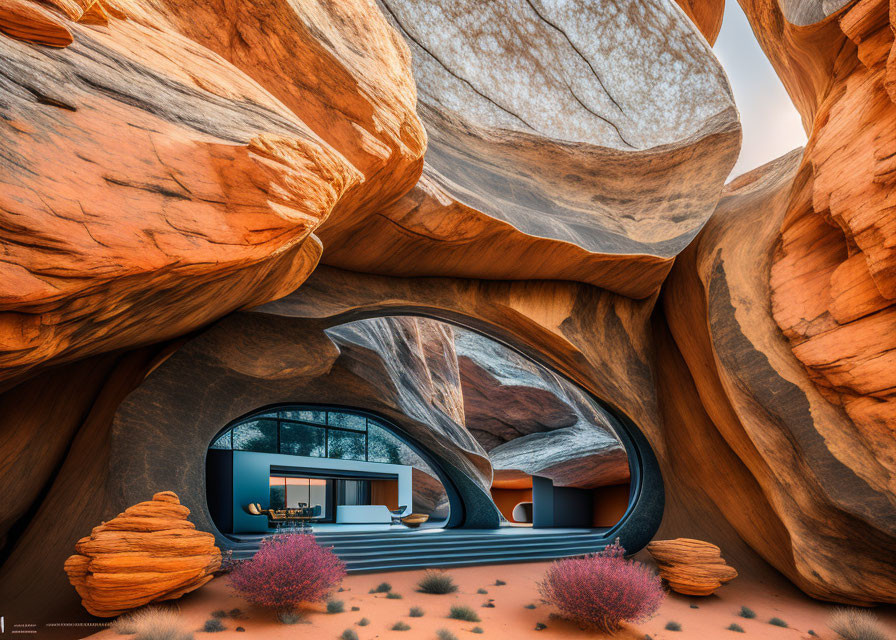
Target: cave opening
[{"x": 460, "y": 433}]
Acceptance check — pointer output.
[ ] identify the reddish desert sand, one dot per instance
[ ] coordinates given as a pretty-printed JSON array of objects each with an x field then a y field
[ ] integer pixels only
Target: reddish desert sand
[{"x": 509, "y": 618}]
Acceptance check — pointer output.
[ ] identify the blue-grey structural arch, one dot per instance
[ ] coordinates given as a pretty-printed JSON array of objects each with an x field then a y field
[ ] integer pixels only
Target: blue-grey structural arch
[{"x": 163, "y": 429}]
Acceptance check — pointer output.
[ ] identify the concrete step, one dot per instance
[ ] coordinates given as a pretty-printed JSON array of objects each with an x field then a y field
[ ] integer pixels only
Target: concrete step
[
  {"x": 360, "y": 549},
  {"x": 366, "y": 552},
  {"x": 451, "y": 542}
]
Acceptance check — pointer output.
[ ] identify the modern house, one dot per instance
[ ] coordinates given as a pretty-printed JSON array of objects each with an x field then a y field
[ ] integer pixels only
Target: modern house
[
  {"x": 343, "y": 465},
  {"x": 453, "y": 439}
]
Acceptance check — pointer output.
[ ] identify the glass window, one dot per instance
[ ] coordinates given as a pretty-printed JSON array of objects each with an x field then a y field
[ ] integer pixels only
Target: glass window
[
  {"x": 355, "y": 492},
  {"x": 302, "y": 440},
  {"x": 296, "y": 493},
  {"x": 345, "y": 445},
  {"x": 278, "y": 492},
  {"x": 256, "y": 435},
  {"x": 383, "y": 446},
  {"x": 317, "y": 496},
  {"x": 317, "y": 417},
  {"x": 347, "y": 421},
  {"x": 223, "y": 442}
]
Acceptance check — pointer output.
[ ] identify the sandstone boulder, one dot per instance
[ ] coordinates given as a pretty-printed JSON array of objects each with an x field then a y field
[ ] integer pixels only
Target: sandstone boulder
[
  {"x": 581, "y": 141},
  {"x": 691, "y": 567},
  {"x": 149, "y": 185},
  {"x": 148, "y": 553}
]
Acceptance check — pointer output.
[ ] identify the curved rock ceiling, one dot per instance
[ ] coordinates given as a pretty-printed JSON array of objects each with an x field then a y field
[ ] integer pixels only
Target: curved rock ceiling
[
  {"x": 559, "y": 137},
  {"x": 532, "y": 421},
  {"x": 595, "y": 73},
  {"x": 507, "y": 413}
]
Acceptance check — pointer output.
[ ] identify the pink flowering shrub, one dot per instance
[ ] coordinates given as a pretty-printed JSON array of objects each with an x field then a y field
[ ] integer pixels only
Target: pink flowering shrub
[
  {"x": 602, "y": 590},
  {"x": 288, "y": 569}
]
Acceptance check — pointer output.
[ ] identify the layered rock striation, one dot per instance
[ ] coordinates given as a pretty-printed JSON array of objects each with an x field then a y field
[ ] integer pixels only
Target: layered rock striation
[
  {"x": 149, "y": 553},
  {"x": 691, "y": 567},
  {"x": 789, "y": 337},
  {"x": 149, "y": 186}
]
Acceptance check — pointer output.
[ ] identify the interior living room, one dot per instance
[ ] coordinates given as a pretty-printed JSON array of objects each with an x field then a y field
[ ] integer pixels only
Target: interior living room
[{"x": 312, "y": 466}]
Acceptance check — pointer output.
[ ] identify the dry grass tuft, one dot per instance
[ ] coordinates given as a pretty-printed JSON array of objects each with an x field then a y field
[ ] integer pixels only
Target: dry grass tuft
[
  {"x": 152, "y": 623},
  {"x": 856, "y": 624}
]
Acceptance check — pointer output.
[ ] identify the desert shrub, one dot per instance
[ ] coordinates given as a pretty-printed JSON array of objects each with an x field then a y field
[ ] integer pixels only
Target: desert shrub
[
  {"x": 220, "y": 613},
  {"x": 400, "y": 626},
  {"x": 349, "y": 634},
  {"x": 335, "y": 606},
  {"x": 540, "y": 626},
  {"x": 463, "y": 612},
  {"x": 530, "y": 606},
  {"x": 746, "y": 612},
  {"x": 240, "y": 629},
  {"x": 499, "y": 583},
  {"x": 444, "y": 634},
  {"x": 356, "y": 608},
  {"x": 152, "y": 623},
  {"x": 693, "y": 606},
  {"x": 290, "y": 617},
  {"x": 287, "y": 570},
  {"x": 363, "y": 622},
  {"x": 672, "y": 626},
  {"x": 393, "y": 596},
  {"x": 236, "y": 612},
  {"x": 812, "y": 633},
  {"x": 735, "y": 627},
  {"x": 437, "y": 582},
  {"x": 481, "y": 590},
  {"x": 777, "y": 622},
  {"x": 382, "y": 587},
  {"x": 416, "y": 612},
  {"x": 856, "y": 624},
  {"x": 603, "y": 590},
  {"x": 477, "y": 630},
  {"x": 488, "y": 605},
  {"x": 213, "y": 625}
]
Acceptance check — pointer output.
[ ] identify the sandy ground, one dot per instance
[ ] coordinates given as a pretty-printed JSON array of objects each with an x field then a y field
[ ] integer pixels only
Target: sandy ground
[{"x": 510, "y": 618}]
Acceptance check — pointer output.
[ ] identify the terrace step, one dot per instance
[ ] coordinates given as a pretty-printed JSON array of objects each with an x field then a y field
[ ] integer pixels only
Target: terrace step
[{"x": 365, "y": 552}]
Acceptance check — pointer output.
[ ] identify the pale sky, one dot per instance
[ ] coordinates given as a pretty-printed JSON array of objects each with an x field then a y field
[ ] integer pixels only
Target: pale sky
[{"x": 770, "y": 122}]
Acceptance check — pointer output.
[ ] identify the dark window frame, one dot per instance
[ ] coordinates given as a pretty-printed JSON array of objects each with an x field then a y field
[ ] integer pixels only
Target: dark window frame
[{"x": 273, "y": 415}]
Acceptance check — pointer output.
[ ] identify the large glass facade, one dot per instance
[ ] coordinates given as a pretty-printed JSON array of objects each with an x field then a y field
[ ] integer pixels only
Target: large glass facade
[
  {"x": 319, "y": 433},
  {"x": 303, "y": 440},
  {"x": 256, "y": 435}
]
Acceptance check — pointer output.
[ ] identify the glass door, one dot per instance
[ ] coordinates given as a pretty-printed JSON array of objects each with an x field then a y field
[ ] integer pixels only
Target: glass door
[
  {"x": 300, "y": 492},
  {"x": 354, "y": 492}
]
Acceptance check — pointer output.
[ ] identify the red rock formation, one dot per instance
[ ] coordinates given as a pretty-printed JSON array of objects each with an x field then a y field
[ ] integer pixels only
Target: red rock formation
[
  {"x": 834, "y": 275},
  {"x": 810, "y": 493},
  {"x": 804, "y": 418},
  {"x": 706, "y": 15},
  {"x": 149, "y": 186},
  {"x": 691, "y": 567},
  {"x": 149, "y": 553},
  {"x": 26, "y": 21},
  {"x": 163, "y": 163}
]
